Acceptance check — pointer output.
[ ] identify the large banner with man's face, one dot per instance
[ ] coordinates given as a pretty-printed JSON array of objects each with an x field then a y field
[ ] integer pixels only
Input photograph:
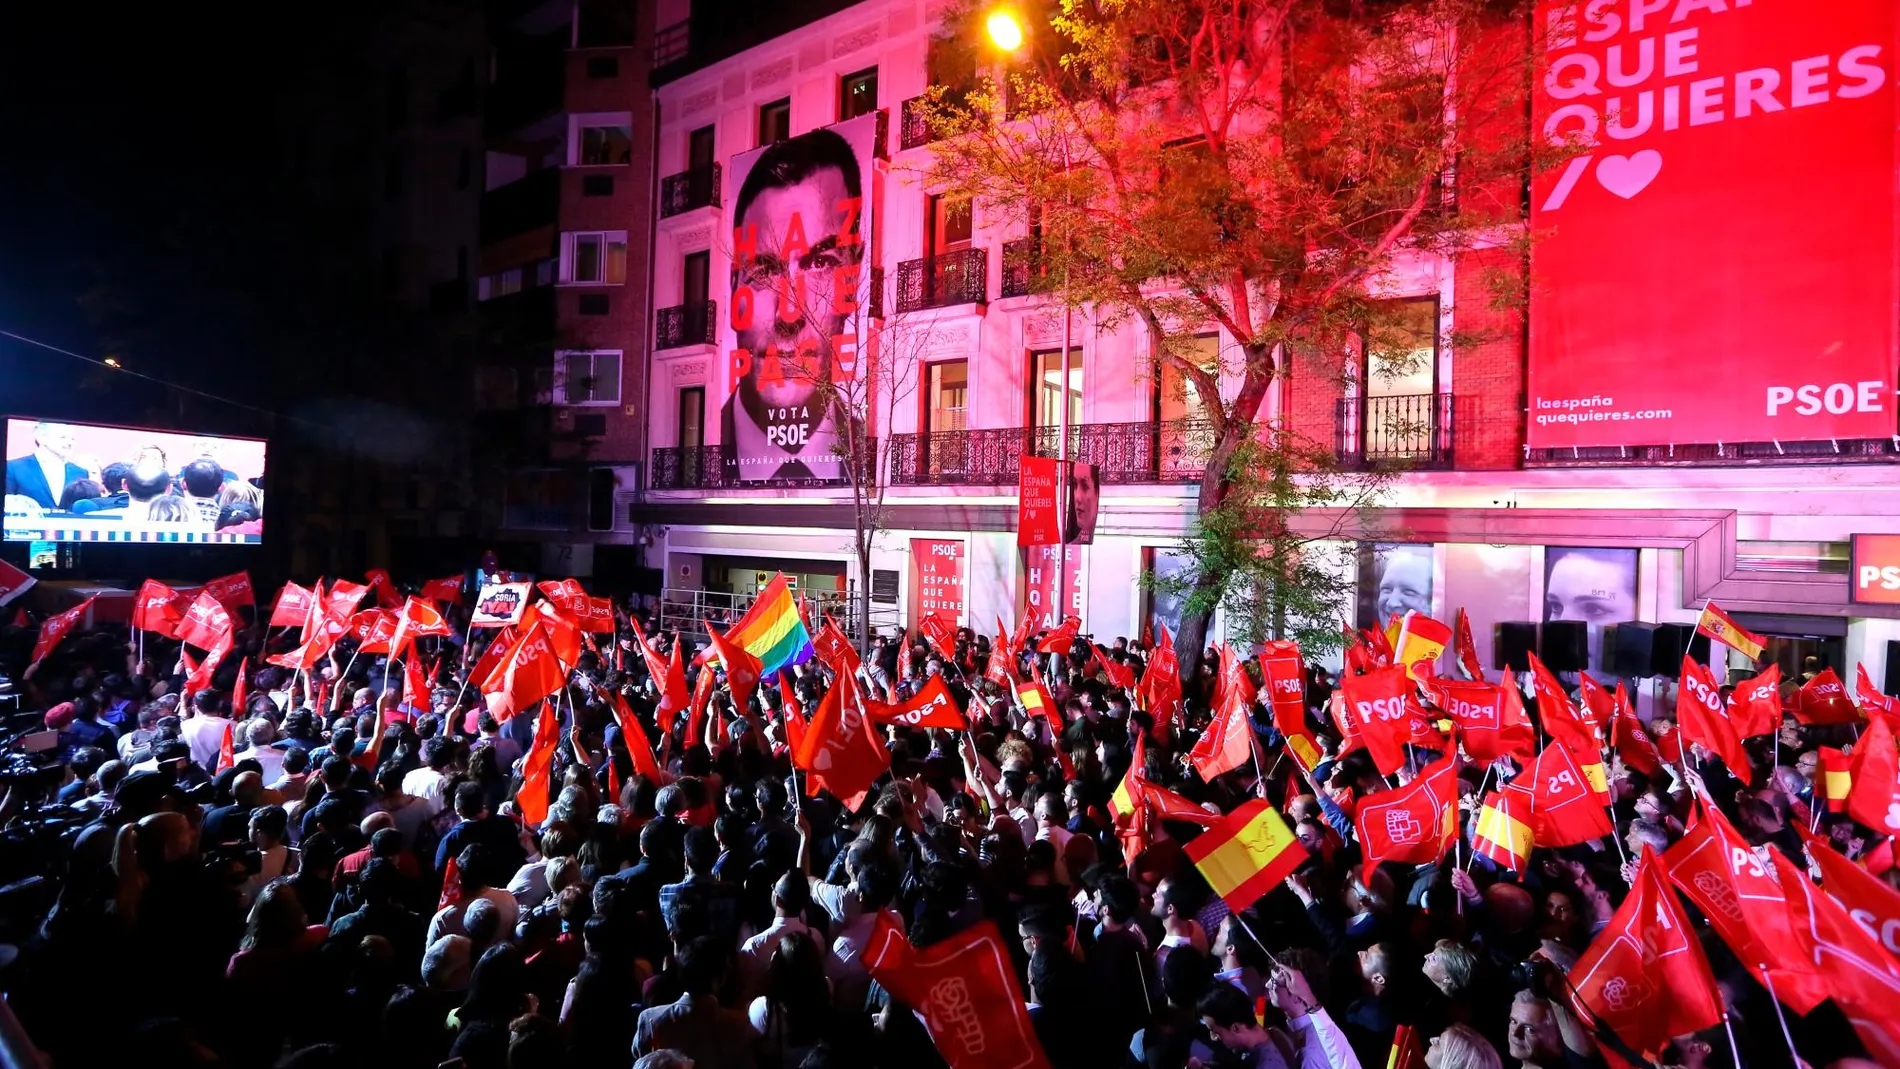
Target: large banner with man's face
[
  {"x": 801, "y": 224},
  {"x": 1716, "y": 262}
]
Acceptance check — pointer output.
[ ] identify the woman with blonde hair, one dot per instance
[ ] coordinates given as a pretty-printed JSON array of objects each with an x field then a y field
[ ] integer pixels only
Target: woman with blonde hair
[{"x": 1461, "y": 1047}]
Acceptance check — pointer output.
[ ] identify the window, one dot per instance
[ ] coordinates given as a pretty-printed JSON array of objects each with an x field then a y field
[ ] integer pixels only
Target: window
[
  {"x": 598, "y": 258},
  {"x": 951, "y": 224},
  {"x": 1400, "y": 356},
  {"x": 587, "y": 377},
  {"x": 604, "y": 146},
  {"x": 775, "y": 121},
  {"x": 1047, "y": 390},
  {"x": 857, "y": 94},
  {"x": 695, "y": 277},
  {"x": 1175, "y": 395},
  {"x": 947, "y": 396},
  {"x": 699, "y": 149},
  {"x": 692, "y": 421}
]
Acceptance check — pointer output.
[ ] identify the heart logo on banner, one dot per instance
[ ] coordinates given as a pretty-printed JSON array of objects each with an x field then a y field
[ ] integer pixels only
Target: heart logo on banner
[{"x": 1629, "y": 175}]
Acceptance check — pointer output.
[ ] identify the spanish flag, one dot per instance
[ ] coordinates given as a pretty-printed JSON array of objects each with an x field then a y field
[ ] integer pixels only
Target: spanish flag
[
  {"x": 1836, "y": 779},
  {"x": 1720, "y": 627},
  {"x": 1037, "y": 701},
  {"x": 1503, "y": 833},
  {"x": 1246, "y": 854},
  {"x": 1421, "y": 640}
]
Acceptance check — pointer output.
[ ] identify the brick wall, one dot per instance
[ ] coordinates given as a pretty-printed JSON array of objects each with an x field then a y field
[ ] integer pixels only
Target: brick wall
[{"x": 1487, "y": 369}]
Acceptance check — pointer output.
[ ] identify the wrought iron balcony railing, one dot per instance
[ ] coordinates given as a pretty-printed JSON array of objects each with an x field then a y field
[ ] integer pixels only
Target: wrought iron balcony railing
[
  {"x": 686, "y": 324},
  {"x": 710, "y": 467},
  {"x": 1402, "y": 431},
  {"x": 1022, "y": 266},
  {"x": 951, "y": 278},
  {"x": 690, "y": 189},
  {"x": 1123, "y": 453},
  {"x": 914, "y": 129}
]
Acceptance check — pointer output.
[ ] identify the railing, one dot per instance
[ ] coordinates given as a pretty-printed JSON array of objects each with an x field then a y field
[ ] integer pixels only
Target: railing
[
  {"x": 686, "y": 324},
  {"x": 671, "y": 43},
  {"x": 1175, "y": 451},
  {"x": 689, "y": 611},
  {"x": 1022, "y": 265},
  {"x": 708, "y": 467},
  {"x": 915, "y": 124},
  {"x": 1404, "y": 431},
  {"x": 952, "y": 278},
  {"x": 689, "y": 189}
]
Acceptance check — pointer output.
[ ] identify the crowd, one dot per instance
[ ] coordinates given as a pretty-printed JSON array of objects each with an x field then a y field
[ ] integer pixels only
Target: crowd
[{"x": 325, "y": 868}]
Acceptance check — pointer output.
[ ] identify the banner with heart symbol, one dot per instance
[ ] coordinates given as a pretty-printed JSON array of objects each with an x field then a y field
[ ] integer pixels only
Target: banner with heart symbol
[{"x": 1713, "y": 261}]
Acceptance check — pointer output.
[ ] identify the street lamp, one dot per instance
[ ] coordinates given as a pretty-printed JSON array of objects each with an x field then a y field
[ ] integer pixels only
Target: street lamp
[
  {"x": 1006, "y": 33},
  {"x": 112, "y": 362}
]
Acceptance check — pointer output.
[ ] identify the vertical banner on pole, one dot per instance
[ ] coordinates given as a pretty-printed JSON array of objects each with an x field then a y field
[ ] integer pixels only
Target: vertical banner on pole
[
  {"x": 939, "y": 587},
  {"x": 1042, "y": 571}
]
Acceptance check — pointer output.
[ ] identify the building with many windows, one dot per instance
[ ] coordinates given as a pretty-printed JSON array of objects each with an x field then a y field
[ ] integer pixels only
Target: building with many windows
[{"x": 1600, "y": 555}]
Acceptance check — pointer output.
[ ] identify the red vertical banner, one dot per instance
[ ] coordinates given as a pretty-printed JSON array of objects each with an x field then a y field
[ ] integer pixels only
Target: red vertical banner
[
  {"x": 939, "y": 569},
  {"x": 1042, "y": 571},
  {"x": 1039, "y": 502},
  {"x": 1722, "y": 153}
]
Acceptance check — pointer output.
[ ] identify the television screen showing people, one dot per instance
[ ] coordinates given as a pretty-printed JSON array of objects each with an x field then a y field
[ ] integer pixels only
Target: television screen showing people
[{"x": 79, "y": 482}]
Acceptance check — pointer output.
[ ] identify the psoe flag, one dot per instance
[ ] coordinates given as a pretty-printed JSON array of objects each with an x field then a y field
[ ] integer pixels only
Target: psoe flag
[{"x": 1247, "y": 854}]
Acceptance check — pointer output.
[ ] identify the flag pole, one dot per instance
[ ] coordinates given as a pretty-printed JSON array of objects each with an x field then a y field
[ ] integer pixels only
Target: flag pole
[
  {"x": 1779, "y": 1016},
  {"x": 1734, "y": 1050},
  {"x": 1251, "y": 934}
]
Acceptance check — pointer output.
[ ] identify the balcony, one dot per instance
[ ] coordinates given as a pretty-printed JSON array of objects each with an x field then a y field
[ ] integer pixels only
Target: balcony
[
  {"x": 1402, "y": 431},
  {"x": 687, "y": 190},
  {"x": 686, "y": 324},
  {"x": 915, "y": 129},
  {"x": 707, "y": 467},
  {"x": 1123, "y": 453},
  {"x": 1022, "y": 266},
  {"x": 952, "y": 278}
]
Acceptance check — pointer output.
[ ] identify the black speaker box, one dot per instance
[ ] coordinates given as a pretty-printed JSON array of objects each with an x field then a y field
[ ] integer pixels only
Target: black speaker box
[
  {"x": 1629, "y": 650},
  {"x": 1565, "y": 646},
  {"x": 1672, "y": 641},
  {"x": 1514, "y": 643},
  {"x": 1891, "y": 684}
]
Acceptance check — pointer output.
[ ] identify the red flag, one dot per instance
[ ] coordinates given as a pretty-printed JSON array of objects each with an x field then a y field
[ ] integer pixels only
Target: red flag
[
  {"x": 238, "y": 690},
  {"x": 1025, "y": 627},
  {"x": 532, "y": 799},
  {"x": 702, "y": 699},
  {"x": 941, "y": 632},
  {"x": 1823, "y": 700},
  {"x": 292, "y": 607},
  {"x": 1874, "y": 797},
  {"x": 1037, "y": 701},
  {"x": 1860, "y": 974},
  {"x": 1631, "y": 739},
  {"x": 232, "y": 590},
  {"x": 374, "y": 628},
  {"x": 451, "y": 885},
  {"x": 447, "y": 589},
  {"x": 227, "y": 747},
  {"x": 198, "y": 676},
  {"x": 639, "y": 748},
  {"x": 385, "y": 588},
  {"x": 1644, "y": 976},
  {"x": 788, "y": 698},
  {"x": 1161, "y": 682},
  {"x": 529, "y": 673},
  {"x": 965, "y": 987},
  {"x": 13, "y": 583},
  {"x": 839, "y": 751},
  {"x": 1385, "y": 716},
  {"x": 742, "y": 669},
  {"x": 418, "y": 619},
  {"x": 1061, "y": 639},
  {"x": 157, "y": 609},
  {"x": 1598, "y": 707},
  {"x": 1714, "y": 866},
  {"x": 491, "y": 658},
  {"x": 344, "y": 597},
  {"x": 1871, "y": 700},
  {"x": 1554, "y": 710},
  {"x": 1414, "y": 823},
  {"x": 1479, "y": 709},
  {"x": 596, "y": 615},
  {"x": 1467, "y": 647},
  {"x": 1703, "y": 721},
  {"x": 563, "y": 632},
  {"x": 1565, "y": 809},
  {"x": 206, "y": 622},
  {"x": 415, "y": 689},
  {"x": 931, "y": 707},
  {"x": 1227, "y": 743},
  {"x": 1755, "y": 705},
  {"x": 834, "y": 648},
  {"x": 1867, "y": 898},
  {"x": 1283, "y": 671},
  {"x": 1118, "y": 674},
  {"x": 1231, "y": 682}
]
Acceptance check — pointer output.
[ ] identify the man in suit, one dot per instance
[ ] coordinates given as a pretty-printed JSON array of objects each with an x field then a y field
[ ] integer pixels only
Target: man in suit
[{"x": 44, "y": 473}]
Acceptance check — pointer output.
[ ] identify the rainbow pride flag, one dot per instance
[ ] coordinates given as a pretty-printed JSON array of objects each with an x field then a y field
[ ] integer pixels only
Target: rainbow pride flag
[{"x": 771, "y": 629}]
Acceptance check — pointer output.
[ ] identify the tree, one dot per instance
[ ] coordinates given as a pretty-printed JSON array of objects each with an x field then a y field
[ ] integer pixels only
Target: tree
[{"x": 1256, "y": 165}]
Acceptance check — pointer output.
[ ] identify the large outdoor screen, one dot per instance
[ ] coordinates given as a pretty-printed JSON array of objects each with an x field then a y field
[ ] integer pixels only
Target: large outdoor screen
[
  {"x": 79, "y": 482},
  {"x": 1716, "y": 261}
]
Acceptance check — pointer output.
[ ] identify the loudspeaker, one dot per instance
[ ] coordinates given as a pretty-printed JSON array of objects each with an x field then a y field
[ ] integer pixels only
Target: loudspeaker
[
  {"x": 1891, "y": 685},
  {"x": 1629, "y": 650},
  {"x": 1672, "y": 641},
  {"x": 1566, "y": 646},
  {"x": 1513, "y": 646}
]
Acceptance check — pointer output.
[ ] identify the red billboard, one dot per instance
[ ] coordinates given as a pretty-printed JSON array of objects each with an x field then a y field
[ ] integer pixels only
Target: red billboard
[
  {"x": 1043, "y": 566},
  {"x": 1876, "y": 569},
  {"x": 1716, "y": 262},
  {"x": 939, "y": 563}
]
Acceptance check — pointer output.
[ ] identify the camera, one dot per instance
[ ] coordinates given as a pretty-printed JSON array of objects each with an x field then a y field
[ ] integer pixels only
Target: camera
[{"x": 237, "y": 855}]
